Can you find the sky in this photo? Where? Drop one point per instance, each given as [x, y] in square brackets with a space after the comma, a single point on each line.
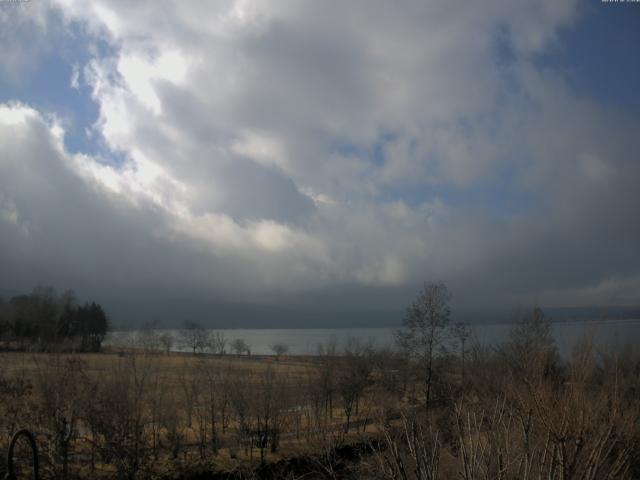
[319, 161]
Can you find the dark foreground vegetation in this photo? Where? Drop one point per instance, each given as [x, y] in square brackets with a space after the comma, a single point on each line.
[517, 411]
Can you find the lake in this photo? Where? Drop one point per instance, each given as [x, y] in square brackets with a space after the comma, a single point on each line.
[608, 334]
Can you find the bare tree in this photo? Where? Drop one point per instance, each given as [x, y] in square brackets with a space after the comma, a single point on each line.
[241, 399]
[314, 398]
[280, 349]
[269, 410]
[166, 340]
[531, 350]
[239, 346]
[327, 355]
[218, 343]
[353, 377]
[148, 337]
[154, 406]
[115, 412]
[215, 397]
[194, 337]
[202, 409]
[424, 327]
[58, 381]
[461, 333]
[409, 451]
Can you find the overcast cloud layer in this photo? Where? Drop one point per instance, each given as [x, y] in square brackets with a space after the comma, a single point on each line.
[253, 151]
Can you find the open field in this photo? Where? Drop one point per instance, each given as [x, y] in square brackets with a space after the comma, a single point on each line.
[220, 412]
[518, 411]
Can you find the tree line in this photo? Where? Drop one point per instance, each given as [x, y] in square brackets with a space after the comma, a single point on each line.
[193, 337]
[44, 319]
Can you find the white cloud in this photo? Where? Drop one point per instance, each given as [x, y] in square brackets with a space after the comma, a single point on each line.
[14, 115]
[300, 145]
[74, 81]
[262, 148]
[140, 73]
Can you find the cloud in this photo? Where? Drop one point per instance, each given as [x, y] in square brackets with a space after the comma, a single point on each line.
[80, 219]
[264, 150]
[23, 36]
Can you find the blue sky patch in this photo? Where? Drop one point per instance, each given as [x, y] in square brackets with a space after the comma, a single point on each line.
[598, 55]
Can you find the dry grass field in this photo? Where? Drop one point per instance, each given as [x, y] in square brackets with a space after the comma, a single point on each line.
[517, 411]
[219, 412]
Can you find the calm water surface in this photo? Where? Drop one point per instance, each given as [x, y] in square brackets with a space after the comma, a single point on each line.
[608, 334]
